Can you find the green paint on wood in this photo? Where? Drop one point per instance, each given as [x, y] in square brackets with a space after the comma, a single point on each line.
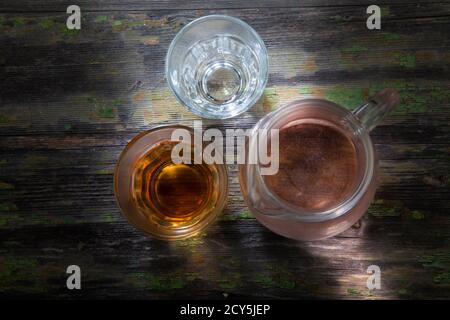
[105, 171]
[391, 36]
[439, 96]
[264, 280]
[440, 260]
[134, 24]
[380, 208]
[385, 11]
[47, 24]
[117, 23]
[118, 102]
[8, 219]
[337, 18]
[270, 281]
[356, 48]
[407, 61]
[67, 126]
[439, 263]
[244, 215]
[92, 99]
[148, 23]
[101, 18]
[268, 92]
[230, 281]
[227, 284]
[384, 212]
[228, 217]
[192, 276]
[20, 274]
[102, 109]
[59, 28]
[353, 291]
[412, 98]
[6, 186]
[154, 282]
[413, 103]
[106, 112]
[18, 22]
[3, 119]
[403, 292]
[270, 99]
[191, 242]
[286, 284]
[275, 277]
[442, 278]
[12, 264]
[417, 215]
[107, 217]
[349, 98]
[70, 32]
[305, 90]
[6, 207]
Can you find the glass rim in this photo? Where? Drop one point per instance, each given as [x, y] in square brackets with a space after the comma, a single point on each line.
[185, 102]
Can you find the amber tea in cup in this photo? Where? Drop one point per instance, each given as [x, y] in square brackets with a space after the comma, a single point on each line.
[166, 199]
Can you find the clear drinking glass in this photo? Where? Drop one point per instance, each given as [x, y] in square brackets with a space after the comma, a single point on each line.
[327, 167]
[217, 66]
[165, 199]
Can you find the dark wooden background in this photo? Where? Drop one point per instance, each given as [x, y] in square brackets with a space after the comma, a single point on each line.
[71, 100]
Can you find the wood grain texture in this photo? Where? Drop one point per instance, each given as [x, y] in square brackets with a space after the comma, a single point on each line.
[70, 101]
[140, 5]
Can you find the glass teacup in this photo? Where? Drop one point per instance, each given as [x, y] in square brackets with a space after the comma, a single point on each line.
[162, 197]
[328, 167]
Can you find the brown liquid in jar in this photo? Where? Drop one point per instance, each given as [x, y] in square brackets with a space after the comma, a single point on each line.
[317, 168]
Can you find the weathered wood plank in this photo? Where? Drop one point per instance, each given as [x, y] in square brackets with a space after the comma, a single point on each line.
[117, 5]
[110, 75]
[75, 179]
[208, 266]
[69, 102]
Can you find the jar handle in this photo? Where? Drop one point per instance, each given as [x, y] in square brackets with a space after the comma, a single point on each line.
[377, 108]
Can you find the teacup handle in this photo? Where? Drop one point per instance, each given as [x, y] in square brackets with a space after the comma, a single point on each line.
[380, 105]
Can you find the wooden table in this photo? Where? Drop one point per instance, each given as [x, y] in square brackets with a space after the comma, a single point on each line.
[71, 100]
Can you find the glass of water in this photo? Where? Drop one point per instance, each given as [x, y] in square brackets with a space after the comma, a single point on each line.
[217, 66]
